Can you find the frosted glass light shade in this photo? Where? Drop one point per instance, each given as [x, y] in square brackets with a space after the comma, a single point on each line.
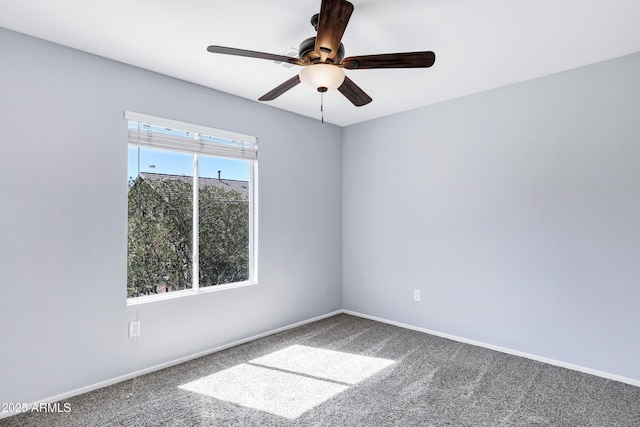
[322, 75]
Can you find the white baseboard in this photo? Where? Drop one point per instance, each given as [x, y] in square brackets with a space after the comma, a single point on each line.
[553, 362]
[101, 384]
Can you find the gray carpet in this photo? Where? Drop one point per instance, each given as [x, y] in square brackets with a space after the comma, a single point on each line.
[348, 371]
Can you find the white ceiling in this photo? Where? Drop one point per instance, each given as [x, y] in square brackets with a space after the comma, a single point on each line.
[479, 44]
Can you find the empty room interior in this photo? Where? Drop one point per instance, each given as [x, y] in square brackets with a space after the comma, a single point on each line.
[459, 223]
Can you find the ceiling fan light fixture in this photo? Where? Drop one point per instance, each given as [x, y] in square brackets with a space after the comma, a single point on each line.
[322, 77]
[323, 61]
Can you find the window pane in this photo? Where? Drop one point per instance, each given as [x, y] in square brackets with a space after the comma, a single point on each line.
[223, 220]
[160, 206]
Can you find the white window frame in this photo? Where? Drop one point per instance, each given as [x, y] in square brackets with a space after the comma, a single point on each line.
[240, 147]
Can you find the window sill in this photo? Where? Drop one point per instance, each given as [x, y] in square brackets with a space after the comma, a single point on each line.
[185, 293]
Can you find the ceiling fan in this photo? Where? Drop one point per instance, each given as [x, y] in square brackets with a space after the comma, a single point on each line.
[323, 58]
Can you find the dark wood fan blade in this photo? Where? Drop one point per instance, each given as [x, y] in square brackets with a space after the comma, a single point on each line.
[333, 20]
[353, 93]
[254, 54]
[273, 94]
[390, 60]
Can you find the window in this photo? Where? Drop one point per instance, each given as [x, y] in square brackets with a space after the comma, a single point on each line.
[191, 207]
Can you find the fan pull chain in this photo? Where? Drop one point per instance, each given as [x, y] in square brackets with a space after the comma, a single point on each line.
[322, 107]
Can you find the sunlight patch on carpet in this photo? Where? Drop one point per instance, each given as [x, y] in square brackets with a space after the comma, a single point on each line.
[289, 382]
[326, 364]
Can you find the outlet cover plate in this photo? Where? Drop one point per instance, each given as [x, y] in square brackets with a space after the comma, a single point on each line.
[134, 328]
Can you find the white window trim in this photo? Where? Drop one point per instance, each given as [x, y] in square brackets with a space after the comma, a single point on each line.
[201, 148]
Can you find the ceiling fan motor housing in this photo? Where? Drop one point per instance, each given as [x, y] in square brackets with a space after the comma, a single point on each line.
[307, 52]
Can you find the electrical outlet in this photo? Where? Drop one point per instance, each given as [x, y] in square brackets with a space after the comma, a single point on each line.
[416, 294]
[134, 328]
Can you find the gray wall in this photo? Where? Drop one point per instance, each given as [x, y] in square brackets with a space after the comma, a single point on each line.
[516, 212]
[63, 167]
